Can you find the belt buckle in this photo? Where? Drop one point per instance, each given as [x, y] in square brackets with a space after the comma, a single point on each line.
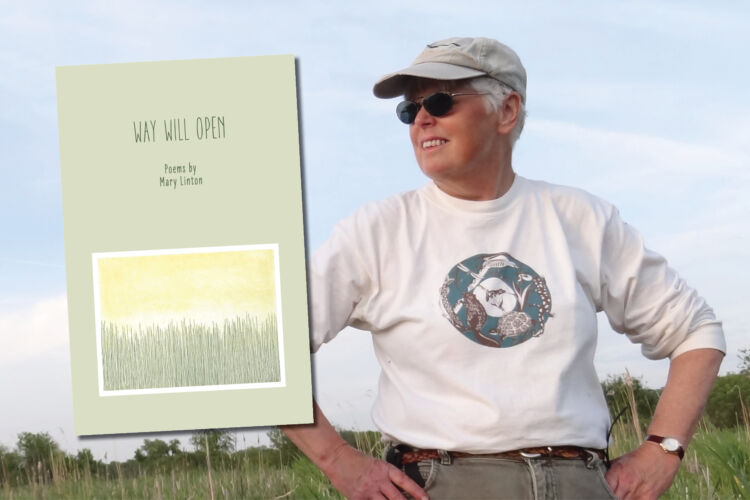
[530, 455]
[526, 454]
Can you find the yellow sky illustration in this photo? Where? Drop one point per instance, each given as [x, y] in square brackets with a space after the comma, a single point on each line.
[198, 286]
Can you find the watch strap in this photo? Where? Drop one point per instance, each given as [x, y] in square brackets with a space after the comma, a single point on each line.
[679, 451]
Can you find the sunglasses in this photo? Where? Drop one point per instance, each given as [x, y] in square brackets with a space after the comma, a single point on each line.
[437, 104]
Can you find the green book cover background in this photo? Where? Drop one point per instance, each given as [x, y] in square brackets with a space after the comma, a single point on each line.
[184, 243]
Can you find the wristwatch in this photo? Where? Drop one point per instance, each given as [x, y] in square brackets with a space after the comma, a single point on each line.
[668, 444]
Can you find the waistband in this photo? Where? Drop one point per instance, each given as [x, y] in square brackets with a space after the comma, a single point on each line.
[410, 455]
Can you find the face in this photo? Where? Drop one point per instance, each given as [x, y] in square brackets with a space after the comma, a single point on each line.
[461, 146]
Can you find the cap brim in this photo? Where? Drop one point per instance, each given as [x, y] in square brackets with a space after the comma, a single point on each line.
[394, 84]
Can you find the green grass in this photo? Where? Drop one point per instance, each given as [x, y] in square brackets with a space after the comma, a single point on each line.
[716, 467]
[237, 477]
[242, 350]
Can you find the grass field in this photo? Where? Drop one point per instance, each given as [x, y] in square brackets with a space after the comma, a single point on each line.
[242, 350]
[716, 467]
[244, 479]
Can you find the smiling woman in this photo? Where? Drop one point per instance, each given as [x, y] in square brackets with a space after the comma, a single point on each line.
[494, 394]
[464, 148]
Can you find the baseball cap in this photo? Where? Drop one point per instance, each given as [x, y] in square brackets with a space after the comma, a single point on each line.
[455, 59]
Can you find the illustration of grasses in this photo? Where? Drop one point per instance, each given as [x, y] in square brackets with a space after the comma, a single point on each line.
[241, 350]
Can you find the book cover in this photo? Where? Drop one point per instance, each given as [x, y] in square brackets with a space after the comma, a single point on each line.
[184, 244]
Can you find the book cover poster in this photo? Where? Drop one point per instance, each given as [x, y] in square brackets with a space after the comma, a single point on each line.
[184, 244]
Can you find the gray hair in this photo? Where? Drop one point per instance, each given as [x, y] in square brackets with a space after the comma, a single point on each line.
[496, 94]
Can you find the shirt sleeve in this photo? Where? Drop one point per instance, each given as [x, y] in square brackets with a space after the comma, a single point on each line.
[339, 287]
[646, 300]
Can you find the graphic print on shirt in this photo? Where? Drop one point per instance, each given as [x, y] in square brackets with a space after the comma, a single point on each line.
[496, 300]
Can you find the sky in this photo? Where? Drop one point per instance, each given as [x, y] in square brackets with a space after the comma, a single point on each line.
[641, 103]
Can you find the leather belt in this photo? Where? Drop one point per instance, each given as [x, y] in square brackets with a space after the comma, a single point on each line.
[568, 452]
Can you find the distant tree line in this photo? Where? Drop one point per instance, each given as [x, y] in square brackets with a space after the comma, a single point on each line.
[38, 459]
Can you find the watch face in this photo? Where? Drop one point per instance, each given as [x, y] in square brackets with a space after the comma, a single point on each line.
[670, 444]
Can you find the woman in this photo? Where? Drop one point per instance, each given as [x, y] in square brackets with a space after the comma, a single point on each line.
[481, 290]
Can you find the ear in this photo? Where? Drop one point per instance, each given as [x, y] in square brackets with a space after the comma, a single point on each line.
[508, 113]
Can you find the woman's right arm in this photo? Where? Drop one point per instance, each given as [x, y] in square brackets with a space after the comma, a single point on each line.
[354, 474]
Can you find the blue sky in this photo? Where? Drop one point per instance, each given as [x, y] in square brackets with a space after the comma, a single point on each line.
[643, 104]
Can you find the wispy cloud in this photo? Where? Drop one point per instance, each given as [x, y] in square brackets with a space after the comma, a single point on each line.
[643, 154]
[705, 184]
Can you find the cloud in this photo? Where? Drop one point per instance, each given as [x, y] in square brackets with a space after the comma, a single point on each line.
[643, 154]
[33, 331]
[662, 185]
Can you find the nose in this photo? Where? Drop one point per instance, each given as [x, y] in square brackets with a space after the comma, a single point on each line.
[423, 118]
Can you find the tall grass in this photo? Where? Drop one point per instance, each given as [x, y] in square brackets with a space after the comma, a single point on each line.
[239, 477]
[716, 467]
[241, 350]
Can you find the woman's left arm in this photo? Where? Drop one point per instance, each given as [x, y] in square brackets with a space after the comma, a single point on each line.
[648, 471]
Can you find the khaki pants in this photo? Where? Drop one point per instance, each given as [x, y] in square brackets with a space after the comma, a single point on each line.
[515, 479]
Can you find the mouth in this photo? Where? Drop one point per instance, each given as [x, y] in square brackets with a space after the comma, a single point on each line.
[433, 143]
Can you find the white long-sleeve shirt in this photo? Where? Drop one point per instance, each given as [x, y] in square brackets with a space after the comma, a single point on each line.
[483, 314]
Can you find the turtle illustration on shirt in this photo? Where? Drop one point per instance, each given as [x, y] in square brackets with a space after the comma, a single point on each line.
[496, 300]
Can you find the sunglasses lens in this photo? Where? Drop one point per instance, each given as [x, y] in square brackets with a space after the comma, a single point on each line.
[438, 104]
[407, 111]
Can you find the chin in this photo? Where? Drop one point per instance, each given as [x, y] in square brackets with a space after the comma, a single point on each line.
[439, 175]
[434, 169]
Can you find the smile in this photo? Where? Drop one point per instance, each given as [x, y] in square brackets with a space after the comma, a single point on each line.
[432, 143]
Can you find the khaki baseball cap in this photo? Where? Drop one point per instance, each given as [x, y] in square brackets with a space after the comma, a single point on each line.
[456, 59]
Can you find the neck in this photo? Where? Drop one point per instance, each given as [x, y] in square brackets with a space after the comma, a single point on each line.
[492, 185]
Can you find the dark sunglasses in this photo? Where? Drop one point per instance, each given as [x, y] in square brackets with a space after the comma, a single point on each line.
[437, 104]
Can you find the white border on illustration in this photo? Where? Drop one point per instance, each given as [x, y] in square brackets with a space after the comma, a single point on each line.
[176, 251]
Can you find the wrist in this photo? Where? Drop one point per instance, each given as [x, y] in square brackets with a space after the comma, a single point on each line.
[668, 444]
[329, 460]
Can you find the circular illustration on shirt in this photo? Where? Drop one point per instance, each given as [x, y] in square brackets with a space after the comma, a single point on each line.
[496, 300]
